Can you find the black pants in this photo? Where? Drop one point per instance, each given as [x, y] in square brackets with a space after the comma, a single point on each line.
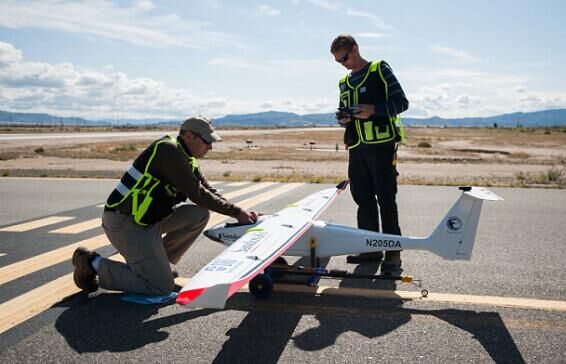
[373, 183]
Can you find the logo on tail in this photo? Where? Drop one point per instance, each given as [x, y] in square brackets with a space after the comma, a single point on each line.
[454, 223]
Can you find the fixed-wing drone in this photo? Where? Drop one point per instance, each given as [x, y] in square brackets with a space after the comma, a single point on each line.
[293, 231]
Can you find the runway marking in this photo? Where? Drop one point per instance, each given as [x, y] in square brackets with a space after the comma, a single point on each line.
[81, 227]
[27, 226]
[252, 188]
[236, 184]
[2, 254]
[28, 305]
[42, 261]
[494, 301]
[33, 302]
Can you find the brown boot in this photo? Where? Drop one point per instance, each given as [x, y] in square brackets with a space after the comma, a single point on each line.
[84, 275]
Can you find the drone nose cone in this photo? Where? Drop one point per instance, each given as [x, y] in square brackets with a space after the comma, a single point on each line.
[212, 234]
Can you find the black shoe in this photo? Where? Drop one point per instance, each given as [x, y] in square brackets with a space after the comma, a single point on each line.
[84, 275]
[364, 258]
[392, 263]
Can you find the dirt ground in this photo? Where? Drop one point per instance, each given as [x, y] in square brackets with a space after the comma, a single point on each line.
[446, 156]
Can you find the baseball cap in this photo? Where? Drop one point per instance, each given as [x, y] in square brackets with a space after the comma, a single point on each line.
[201, 126]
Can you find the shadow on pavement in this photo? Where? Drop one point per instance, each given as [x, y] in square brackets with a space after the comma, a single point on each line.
[486, 327]
[269, 326]
[88, 327]
[262, 334]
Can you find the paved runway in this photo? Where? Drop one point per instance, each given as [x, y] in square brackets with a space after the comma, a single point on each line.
[505, 305]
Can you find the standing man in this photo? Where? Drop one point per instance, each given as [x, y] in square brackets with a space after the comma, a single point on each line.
[372, 130]
[147, 220]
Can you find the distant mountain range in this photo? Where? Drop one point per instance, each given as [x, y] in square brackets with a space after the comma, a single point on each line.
[546, 118]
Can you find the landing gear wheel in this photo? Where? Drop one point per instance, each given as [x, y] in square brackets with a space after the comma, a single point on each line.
[275, 272]
[261, 286]
[280, 260]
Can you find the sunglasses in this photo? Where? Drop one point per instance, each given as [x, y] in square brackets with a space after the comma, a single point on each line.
[201, 138]
[346, 56]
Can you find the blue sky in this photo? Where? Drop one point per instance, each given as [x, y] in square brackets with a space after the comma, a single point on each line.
[149, 59]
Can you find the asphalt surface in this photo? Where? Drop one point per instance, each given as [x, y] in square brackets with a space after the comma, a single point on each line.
[519, 252]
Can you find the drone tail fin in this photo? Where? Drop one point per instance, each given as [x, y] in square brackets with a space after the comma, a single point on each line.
[454, 237]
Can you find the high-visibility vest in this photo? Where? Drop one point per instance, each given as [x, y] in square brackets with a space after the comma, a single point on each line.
[151, 198]
[372, 89]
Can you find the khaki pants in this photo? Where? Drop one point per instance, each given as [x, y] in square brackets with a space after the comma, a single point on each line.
[148, 249]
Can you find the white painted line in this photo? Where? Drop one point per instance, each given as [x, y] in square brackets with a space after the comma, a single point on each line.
[236, 184]
[81, 227]
[2, 254]
[36, 224]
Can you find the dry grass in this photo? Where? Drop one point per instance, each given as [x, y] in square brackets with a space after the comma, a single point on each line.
[448, 146]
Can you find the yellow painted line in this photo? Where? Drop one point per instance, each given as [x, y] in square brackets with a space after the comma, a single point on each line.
[28, 305]
[494, 301]
[551, 305]
[42, 261]
[236, 184]
[80, 227]
[33, 302]
[36, 224]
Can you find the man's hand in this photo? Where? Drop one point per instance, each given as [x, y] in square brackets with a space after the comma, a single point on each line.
[364, 111]
[343, 120]
[245, 217]
[345, 114]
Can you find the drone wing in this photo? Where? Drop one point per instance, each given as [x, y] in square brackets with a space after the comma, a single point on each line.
[254, 251]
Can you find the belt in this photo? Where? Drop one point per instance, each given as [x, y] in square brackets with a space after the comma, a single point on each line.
[116, 210]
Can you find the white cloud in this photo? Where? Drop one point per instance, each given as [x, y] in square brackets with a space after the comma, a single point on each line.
[268, 10]
[456, 54]
[9, 54]
[65, 89]
[335, 7]
[280, 66]
[143, 6]
[373, 35]
[326, 5]
[375, 20]
[136, 24]
[268, 105]
[520, 89]
[468, 99]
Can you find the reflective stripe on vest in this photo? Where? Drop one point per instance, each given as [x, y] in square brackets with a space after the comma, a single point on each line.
[135, 174]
